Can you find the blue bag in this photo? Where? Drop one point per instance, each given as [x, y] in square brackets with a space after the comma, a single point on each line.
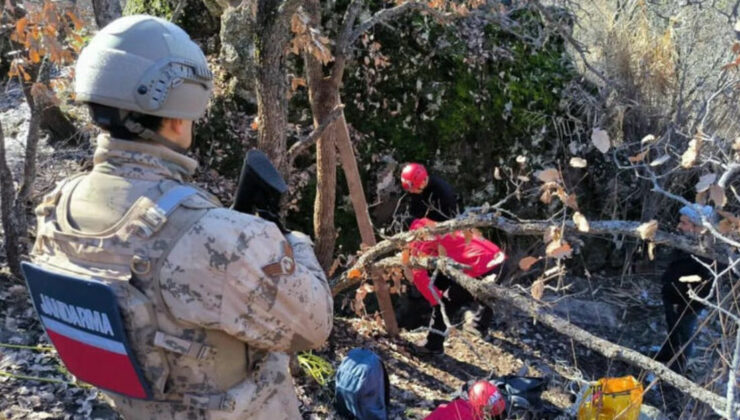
[362, 386]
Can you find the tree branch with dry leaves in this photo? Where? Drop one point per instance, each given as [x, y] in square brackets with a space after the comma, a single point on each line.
[386, 15]
[483, 218]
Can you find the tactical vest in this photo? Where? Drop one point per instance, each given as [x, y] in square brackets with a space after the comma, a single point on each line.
[178, 362]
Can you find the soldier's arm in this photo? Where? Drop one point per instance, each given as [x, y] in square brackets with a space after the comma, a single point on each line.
[247, 279]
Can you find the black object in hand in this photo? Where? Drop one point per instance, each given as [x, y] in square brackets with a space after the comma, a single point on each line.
[260, 188]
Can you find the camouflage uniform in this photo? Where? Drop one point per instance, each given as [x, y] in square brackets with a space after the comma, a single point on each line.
[228, 295]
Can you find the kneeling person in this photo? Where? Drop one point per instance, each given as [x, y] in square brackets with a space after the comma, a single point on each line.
[481, 255]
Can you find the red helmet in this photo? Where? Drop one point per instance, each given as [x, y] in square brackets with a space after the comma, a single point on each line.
[486, 399]
[414, 177]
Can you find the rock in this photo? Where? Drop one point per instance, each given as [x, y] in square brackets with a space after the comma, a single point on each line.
[648, 412]
[579, 311]
[238, 49]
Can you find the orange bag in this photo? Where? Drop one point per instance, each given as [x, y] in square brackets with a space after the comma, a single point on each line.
[612, 399]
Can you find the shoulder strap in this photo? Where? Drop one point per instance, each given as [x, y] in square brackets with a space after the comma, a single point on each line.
[156, 215]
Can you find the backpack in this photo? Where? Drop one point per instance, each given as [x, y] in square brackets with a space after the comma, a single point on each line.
[362, 386]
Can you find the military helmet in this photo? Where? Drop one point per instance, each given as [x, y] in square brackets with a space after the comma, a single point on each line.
[147, 65]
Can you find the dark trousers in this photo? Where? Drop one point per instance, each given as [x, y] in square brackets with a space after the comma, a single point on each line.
[454, 297]
[681, 322]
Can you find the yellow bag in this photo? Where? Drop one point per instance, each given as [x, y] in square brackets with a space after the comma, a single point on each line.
[612, 399]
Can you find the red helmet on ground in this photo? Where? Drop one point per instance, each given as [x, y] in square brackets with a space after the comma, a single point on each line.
[486, 399]
[414, 177]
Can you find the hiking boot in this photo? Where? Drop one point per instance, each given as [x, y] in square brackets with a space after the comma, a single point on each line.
[423, 347]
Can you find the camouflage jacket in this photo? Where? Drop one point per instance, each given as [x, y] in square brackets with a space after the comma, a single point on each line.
[224, 279]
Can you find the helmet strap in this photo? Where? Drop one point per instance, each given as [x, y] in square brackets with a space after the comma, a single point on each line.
[151, 135]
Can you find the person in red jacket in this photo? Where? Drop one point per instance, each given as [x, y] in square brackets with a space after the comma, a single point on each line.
[481, 255]
[429, 196]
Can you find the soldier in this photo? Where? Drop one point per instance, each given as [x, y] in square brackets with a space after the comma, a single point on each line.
[211, 299]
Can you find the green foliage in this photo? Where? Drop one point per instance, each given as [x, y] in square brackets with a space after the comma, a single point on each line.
[222, 136]
[159, 8]
[195, 17]
[444, 94]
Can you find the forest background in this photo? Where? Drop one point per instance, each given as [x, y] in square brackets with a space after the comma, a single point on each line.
[573, 130]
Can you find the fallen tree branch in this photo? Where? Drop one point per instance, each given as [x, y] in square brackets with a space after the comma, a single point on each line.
[491, 294]
[470, 219]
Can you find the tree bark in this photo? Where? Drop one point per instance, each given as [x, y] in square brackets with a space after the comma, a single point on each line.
[326, 173]
[323, 96]
[7, 209]
[271, 37]
[106, 11]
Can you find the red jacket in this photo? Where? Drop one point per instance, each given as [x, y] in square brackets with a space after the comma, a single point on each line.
[478, 253]
[457, 409]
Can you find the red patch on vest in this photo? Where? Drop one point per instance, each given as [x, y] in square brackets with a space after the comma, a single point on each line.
[106, 369]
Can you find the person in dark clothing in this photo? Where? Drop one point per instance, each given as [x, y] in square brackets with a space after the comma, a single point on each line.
[681, 312]
[430, 196]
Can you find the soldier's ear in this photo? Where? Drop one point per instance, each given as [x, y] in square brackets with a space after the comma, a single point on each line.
[174, 125]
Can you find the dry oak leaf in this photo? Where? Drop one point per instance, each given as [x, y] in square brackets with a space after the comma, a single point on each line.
[717, 194]
[552, 233]
[559, 249]
[600, 139]
[548, 175]
[701, 198]
[581, 222]
[690, 279]
[546, 196]
[705, 181]
[661, 160]
[638, 157]
[647, 230]
[577, 162]
[527, 262]
[405, 257]
[647, 139]
[538, 289]
[689, 156]
[651, 251]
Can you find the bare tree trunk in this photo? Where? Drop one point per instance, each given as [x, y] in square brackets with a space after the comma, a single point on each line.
[271, 37]
[7, 209]
[326, 171]
[14, 205]
[106, 11]
[323, 96]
